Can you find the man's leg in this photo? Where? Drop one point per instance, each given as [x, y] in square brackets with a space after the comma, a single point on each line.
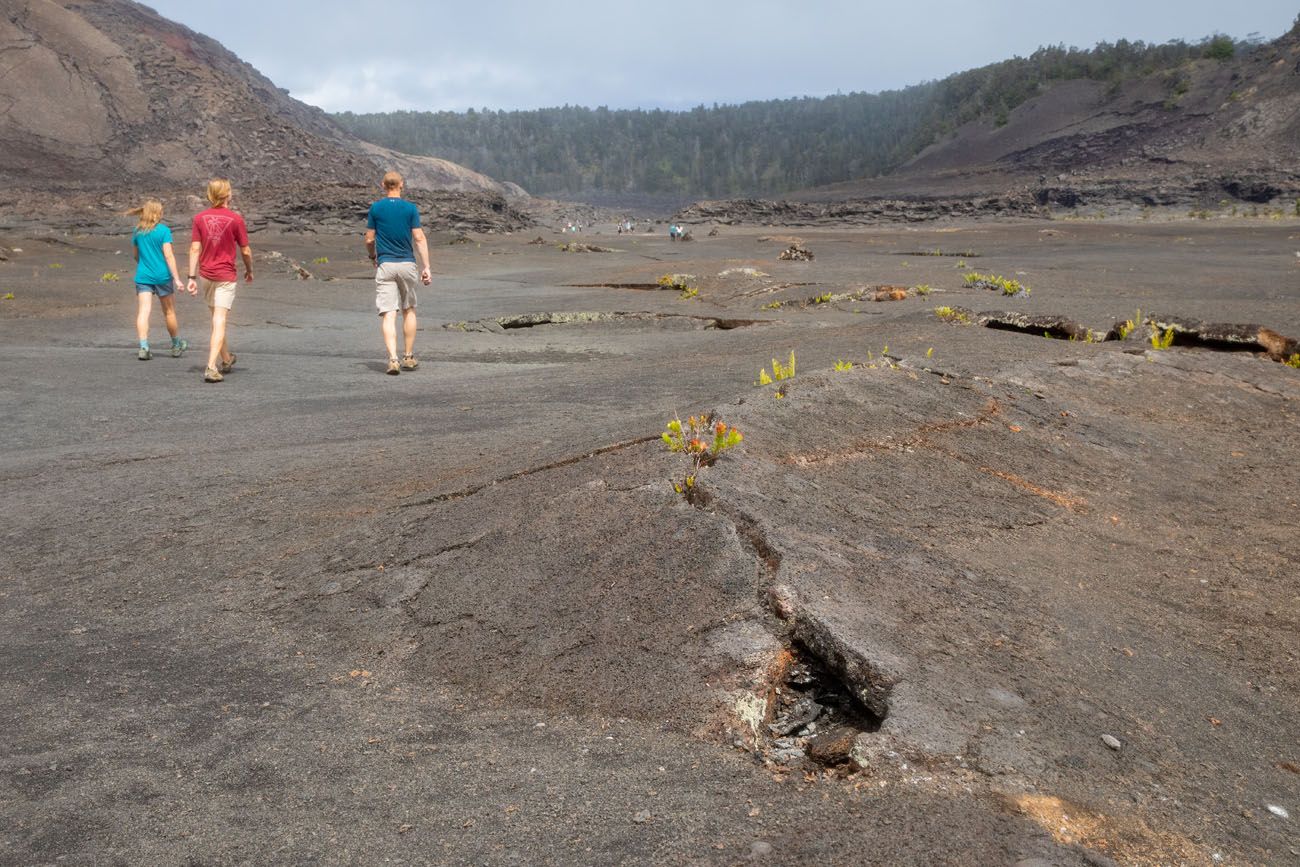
[217, 346]
[388, 326]
[408, 329]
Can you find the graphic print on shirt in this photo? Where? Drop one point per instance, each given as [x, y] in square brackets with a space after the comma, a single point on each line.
[216, 226]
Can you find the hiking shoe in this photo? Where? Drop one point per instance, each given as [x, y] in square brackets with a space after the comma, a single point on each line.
[144, 354]
[178, 349]
[410, 362]
[227, 365]
[211, 374]
[393, 367]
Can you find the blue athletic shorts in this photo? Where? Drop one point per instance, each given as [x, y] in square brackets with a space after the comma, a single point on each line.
[162, 290]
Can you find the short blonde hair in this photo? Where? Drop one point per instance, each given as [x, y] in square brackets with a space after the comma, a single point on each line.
[218, 191]
[392, 180]
[150, 214]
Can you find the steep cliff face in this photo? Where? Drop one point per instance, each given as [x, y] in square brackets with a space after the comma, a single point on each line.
[106, 92]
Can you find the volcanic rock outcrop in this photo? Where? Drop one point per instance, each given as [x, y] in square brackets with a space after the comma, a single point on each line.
[110, 94]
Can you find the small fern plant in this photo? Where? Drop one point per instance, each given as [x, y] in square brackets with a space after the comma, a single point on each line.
[1162, 340]
[779, 371]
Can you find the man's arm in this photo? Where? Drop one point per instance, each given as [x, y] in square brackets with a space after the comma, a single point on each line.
[247, 252]
[422, 253]
[370, 244]
[192, 268]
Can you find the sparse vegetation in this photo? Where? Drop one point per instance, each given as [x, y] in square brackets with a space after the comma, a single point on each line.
[109, 277]
[321, 260]
[824, 298]
[923, 289]
[681, 283]
[1005, 285]
[1126, 327]
[949, 314]
[1293, 361]
[1161, 340]
[779, 372]
[55, 265]
[883, 363]
[842, 365]
[701, 440]
[773, 305]
[9, 296]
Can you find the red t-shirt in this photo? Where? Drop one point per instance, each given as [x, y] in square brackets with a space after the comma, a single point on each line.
[222, 232]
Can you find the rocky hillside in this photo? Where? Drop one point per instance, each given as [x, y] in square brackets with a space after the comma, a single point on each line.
[101, 94]
[1207, 131]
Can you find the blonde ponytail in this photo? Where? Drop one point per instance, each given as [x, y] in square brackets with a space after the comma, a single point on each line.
[150, 214]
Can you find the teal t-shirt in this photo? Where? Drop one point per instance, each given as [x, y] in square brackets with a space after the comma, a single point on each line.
[152, 269]
[393, 219]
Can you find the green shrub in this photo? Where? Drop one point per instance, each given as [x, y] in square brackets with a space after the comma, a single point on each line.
[701, 440]
[1221, 48]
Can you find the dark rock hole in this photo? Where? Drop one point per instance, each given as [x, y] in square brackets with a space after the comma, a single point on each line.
[814, 715]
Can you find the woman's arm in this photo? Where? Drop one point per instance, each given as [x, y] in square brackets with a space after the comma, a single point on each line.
[171, 264]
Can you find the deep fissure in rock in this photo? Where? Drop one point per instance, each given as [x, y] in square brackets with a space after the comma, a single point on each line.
[968, 254]
[812, 711]
[503, 324]
[1214, 336]
[640, 287]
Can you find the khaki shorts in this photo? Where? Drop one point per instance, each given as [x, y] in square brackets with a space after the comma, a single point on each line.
[395, 284]
[218, 294]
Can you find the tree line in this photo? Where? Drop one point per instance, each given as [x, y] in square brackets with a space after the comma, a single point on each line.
[757, 148]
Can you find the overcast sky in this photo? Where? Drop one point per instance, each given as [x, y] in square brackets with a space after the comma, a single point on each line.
[521, 54]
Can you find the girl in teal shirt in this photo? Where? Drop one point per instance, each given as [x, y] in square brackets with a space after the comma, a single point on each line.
[155, 274]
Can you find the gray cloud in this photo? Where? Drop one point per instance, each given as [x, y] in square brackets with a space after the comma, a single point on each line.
[342, 55]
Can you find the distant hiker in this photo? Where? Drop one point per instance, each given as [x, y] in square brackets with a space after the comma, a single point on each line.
[217, 233]
[393, 239]
[674, 232]
[155, 274]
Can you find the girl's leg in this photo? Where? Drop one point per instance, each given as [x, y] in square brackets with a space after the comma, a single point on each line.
[143, 307]
[169, 315]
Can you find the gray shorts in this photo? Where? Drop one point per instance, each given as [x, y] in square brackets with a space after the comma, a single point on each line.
[395, 284]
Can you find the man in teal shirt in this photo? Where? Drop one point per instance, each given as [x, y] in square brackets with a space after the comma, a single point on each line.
[394, 238]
